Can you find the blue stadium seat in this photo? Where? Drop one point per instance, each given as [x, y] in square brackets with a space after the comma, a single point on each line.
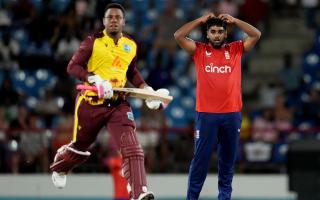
[185, 84]
[186, 5]
[188, 104]
[59, 6]
[160, 5]
[144, 72]
[31, 102]
[43, 77]
[136, 105]
[32, 83]
[149, 17]
[174, 91]
[192, 91]
[18, 78]
[279, 152]
[37, 4]
[22, 36]
[176, 114]
[311, 62]
[4, 3]
[317, 42]
[140, 6]
[239, 34]
[1, 76]
[181, 60]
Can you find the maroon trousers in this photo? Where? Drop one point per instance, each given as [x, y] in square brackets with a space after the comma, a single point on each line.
[117, 117]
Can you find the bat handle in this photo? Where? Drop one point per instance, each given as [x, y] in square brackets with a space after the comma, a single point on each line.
[86, 87]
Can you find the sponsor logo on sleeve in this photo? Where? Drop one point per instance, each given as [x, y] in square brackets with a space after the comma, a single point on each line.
[130, 116]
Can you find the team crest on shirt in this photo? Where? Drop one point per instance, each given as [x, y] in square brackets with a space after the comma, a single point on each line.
[130, 116]
[126, 48]
[208, 54]
[227, 55]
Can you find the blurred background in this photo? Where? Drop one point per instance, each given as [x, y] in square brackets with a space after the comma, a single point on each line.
[281, 84]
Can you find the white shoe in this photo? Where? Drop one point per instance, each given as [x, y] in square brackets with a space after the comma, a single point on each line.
[146, 196]
[59, 179]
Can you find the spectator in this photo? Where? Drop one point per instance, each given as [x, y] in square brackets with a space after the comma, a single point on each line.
[9, 96]
[152, 125]
[33, 147]
[310, 109]
[310, 9]
[283, 115]
[3, 140]
[17, 126]
[67, 45]
[164, 46]
[268, 93]
[9, 52]
[48, 107]
[229, 6]
[264, 127]
[290, 76]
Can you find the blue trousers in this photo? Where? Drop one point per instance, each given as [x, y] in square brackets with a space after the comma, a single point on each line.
[214, 131]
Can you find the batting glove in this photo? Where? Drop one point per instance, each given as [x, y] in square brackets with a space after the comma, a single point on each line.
[104, 87]
[94, 79]
[153, 103]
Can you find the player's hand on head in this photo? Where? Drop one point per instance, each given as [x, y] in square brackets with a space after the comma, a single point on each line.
[155, 104]
[227, 18]
[104, 87]
[206, 16]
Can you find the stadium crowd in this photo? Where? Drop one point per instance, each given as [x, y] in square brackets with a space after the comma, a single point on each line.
[38, 38]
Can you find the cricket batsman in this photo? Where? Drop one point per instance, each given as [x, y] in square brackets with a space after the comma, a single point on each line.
[106, 60]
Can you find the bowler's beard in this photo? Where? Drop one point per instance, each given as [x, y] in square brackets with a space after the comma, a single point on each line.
[113, 33]
[217, 45]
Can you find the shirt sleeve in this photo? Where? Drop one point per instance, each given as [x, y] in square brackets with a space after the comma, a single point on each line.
[133, 74]
[199, 47]
[238, 46]
[78, 64]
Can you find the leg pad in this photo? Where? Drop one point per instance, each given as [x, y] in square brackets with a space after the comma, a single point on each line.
[67, 158]
[133, 164]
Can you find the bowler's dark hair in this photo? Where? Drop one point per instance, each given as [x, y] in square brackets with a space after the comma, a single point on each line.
[216, 22]
[114, 5]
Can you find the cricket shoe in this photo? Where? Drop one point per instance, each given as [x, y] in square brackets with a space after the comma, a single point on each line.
[146, 196]
[59, 179]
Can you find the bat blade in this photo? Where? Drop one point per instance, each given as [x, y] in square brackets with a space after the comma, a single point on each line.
[134, 92]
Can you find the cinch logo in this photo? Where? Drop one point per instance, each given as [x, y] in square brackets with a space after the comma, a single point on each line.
[218, 69]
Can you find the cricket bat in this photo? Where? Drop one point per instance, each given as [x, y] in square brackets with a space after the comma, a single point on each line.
[134, 92]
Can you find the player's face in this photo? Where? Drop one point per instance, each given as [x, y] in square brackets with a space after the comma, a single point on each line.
[217, 36]
[113, 21]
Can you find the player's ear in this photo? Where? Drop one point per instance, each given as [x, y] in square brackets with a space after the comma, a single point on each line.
[104, 21]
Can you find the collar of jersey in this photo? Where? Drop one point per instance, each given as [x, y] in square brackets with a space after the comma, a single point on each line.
[226, 45]
[109, 39]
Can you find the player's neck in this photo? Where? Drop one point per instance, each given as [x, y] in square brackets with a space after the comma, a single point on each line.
[217, 48]
[115, 37]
